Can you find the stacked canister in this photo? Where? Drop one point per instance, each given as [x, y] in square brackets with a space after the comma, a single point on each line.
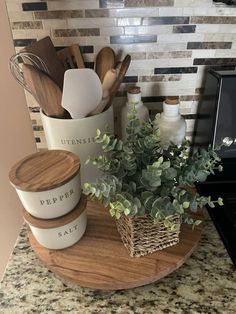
[49, 187]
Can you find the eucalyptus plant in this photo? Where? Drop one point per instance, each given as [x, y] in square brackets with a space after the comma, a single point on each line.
[140, 177]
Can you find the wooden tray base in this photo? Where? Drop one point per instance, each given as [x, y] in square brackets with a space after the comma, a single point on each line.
[100, 260]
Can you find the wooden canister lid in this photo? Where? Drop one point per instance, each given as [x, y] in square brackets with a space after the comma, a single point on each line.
[44, 171]
[56, 222]
[172, 100]
[133, 90]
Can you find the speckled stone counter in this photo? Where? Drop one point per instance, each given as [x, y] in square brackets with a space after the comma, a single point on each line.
[206, 283]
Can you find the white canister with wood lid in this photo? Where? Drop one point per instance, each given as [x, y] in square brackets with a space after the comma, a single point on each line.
[62, 232]
[47, 183]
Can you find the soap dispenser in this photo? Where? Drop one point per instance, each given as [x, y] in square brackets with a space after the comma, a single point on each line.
[133, 102]
[171, 124]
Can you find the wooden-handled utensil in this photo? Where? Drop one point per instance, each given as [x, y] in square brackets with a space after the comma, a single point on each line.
[123, 69]
[45, 91]
[71, 57]
[108, 81]
[108, 97]
[44, 49]
[105, 61]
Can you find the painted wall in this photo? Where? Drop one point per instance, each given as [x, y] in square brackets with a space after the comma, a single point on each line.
[172, 42]
[16, 140]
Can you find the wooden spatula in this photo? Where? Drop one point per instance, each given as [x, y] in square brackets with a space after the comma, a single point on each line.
[105, 61]
[71, 57]
[45, 91]
[45, 50]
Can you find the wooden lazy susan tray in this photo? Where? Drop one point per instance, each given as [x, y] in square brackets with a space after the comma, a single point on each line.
[100, 260]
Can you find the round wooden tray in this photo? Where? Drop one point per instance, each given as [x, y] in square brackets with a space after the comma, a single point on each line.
[100, 260]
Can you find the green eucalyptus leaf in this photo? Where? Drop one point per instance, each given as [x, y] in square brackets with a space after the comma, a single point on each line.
[220, 201]
[186, 204]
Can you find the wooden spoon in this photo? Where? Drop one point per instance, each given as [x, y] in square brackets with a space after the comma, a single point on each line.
[108, 97]
[105, 61]
[123, 69]
[108, 81]
[45, 91]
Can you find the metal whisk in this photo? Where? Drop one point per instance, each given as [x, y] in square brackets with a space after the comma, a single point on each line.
[22, 58]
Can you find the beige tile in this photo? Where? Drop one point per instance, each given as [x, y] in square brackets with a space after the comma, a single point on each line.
[203, 53]
[67, 41]
[73, 5]
[161, 63]
[30, 33]
[214, 28]
[20, 16]
[142, 30]
[111, 31]
[189, 107]
[200, 11]
[134, 12]
[91, 22]
[13, 6]
[231, 11]
[207, 28]
[180, 37]
[151, 47]
[54, 24]
[137, 56]
[220, 37]
[98, 40]
[169, 11]
[225, 53]
[193, 3]
[158, 89]
[133, 21]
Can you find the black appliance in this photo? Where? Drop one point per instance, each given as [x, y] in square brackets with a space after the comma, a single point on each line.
[228, 2]
[216, 123]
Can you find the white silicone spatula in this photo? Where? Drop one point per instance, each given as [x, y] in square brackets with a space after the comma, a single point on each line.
[82, 92]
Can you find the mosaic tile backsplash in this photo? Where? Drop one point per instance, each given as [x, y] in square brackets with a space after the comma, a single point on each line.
[172, 43]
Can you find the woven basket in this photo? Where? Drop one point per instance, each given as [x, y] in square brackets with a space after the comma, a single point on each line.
[141, 236]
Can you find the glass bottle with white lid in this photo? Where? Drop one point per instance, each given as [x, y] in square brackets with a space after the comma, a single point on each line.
[171, 124]
[133, 101]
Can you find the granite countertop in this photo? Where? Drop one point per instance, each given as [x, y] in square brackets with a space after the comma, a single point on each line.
[206, 283]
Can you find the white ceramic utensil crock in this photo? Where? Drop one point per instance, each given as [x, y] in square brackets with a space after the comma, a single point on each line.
[78, 136]
[61, 232]
[47, 183]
